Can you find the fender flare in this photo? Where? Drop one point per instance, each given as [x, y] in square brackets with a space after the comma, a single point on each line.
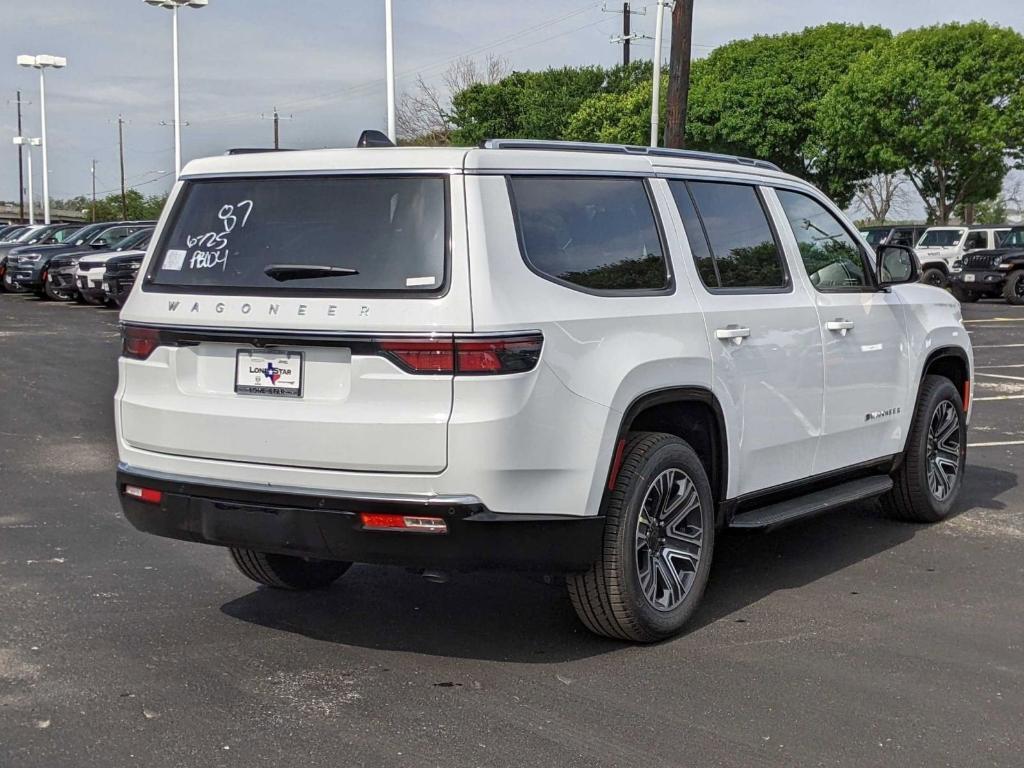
[686, 394]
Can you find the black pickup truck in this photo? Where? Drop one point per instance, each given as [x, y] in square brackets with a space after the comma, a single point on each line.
[994, 272]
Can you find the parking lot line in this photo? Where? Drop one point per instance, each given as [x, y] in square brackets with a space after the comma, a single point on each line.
[996, 320]
[993, 445]
[996, 346]
[1002, 376]
[999, 397]
[997, 367]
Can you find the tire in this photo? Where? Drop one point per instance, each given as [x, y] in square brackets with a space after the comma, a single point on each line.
[923, 493]
[618, 596]
[53, 294]
[934, 276]
[90, 300]
[963, 296]
[1013, 290]
[286, 571]
[9, 286]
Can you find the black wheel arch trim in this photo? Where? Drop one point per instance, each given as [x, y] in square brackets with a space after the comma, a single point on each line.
[719, 440]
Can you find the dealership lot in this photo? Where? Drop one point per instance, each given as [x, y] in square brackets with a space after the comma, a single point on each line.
[844, 640]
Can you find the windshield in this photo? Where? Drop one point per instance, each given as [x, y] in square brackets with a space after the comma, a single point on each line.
[30, 235]
[83, 235]
[941, 238]
[134, 241]
[307, 234]
[14, 234]
[59, 235]
[1014, 239]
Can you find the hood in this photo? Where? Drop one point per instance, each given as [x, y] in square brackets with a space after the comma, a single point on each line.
[125, 257]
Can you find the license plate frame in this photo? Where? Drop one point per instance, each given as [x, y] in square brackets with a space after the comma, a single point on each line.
[251, 382]
[969, 278]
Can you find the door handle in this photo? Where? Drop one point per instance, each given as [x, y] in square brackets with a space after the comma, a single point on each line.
[840, 325]
[732, 333]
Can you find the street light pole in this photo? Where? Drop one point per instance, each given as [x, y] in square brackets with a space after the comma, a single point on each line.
[659, 26]
[41, 62]
[177, 94]
[173, 6]
[389, 30]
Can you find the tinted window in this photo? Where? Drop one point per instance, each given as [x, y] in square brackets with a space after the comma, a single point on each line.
[941, 238]
[902, 237]
[376, 233]
[595, 233]
[875, 237]
[976, 240]
[830, 255]
[727, 223]
[1014, 239]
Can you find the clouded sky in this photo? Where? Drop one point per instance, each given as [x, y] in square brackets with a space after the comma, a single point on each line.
[323, 62]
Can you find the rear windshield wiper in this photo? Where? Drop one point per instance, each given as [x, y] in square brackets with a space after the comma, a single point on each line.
[284, 272]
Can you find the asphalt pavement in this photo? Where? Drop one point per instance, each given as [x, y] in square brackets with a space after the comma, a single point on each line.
[847, 640]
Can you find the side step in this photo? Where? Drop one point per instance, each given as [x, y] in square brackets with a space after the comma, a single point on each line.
[812, 504]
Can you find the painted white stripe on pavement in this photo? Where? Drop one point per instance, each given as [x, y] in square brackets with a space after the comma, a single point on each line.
[998, 397]
[994, 445]
[997, 346]
[1002, 376]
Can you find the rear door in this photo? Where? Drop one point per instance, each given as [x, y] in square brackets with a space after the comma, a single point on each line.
[296, 315]
[863, 331]
[763, 330]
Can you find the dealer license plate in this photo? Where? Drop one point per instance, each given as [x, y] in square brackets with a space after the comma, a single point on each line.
[969, 278]
[271, 373]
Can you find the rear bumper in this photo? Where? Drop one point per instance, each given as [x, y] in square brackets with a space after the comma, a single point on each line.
[327, 526]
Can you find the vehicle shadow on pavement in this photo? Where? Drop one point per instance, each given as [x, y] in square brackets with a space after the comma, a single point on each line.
[514, 617]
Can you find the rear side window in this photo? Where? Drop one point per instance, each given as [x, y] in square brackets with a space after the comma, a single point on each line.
[732, 242]
[307, 235]
[597, 234]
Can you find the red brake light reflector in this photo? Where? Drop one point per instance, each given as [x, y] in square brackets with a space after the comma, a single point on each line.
[148, 495]
[138, 343]
[384, 522]
[427, 356]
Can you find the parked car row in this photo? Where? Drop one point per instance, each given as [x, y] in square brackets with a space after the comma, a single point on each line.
[940, 250]
[70, 262]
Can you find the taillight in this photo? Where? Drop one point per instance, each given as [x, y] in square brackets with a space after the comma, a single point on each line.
[466, 355]
[138, 343]
[421, 356]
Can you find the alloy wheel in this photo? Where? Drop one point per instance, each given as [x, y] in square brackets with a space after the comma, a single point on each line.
[943, 453]
[669, 537]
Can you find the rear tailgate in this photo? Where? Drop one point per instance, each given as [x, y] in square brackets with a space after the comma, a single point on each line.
[271, 300]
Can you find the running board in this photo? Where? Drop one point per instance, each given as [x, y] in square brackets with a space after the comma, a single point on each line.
[812, 504]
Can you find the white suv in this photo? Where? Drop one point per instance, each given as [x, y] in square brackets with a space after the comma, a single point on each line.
[940, 249]
[586, 359]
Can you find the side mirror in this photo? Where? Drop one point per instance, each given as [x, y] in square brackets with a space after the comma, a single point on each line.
[897, 264]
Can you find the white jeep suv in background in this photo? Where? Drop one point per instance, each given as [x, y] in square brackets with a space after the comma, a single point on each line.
[588, 359]
[940, 249]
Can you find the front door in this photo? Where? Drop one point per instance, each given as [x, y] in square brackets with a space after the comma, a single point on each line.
[763, 330]
[863, 331]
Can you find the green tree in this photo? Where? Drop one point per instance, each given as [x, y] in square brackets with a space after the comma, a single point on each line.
[617, 117]
[760, 97]
[942, 104]
[138, 206]
[533, 105]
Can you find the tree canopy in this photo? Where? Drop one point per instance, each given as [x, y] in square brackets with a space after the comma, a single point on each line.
[942, 104]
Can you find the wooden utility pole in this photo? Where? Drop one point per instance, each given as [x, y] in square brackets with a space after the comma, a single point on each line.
[120, 142]
[627, 35]
[679, 73]
[277, 117]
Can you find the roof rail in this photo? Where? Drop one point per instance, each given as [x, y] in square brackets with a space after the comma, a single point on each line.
[253, 150]
[624, 149]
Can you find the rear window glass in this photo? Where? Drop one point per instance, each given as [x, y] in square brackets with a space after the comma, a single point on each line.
[307, 234]
[595, 233]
